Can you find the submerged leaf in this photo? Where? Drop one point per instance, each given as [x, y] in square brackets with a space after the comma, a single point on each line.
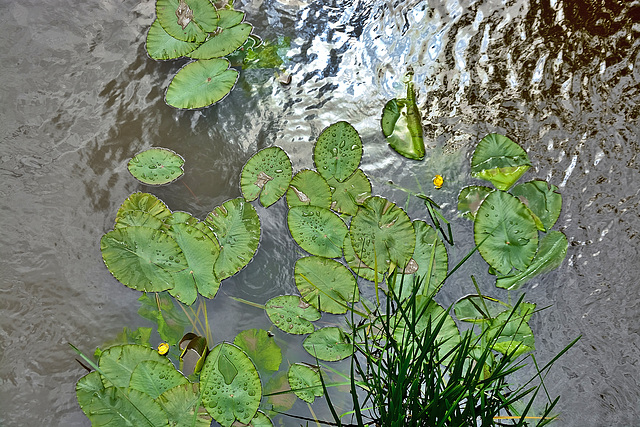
[261, 348]
[543, 200]
[470, 199]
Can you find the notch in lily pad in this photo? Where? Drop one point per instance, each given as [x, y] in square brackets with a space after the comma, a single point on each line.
[499, 160]
[156, 166]
[267, 175]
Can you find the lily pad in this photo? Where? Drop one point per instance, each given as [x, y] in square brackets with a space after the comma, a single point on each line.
[330, 344]
[261, 349]
[156, 166]
[292, 314]
[223, 42]
[510, 232]
[499, 160]
[516, 336]
[325, 284]
[181, 403]
[402, 126]
[187, 20]
[356, 264]
[142, 209]
[154, 378]
[229, 18]
[551, 253]
[117, 363]
[142, 258]
[470, 199]
[317, 230]
[230, 385]
[338, 151]
[237, 227]
[477, 308]
[266, 174]
[201, 83]
[347, 196]
[305, 382]
[162, 46]
[259, 420]
[542, 199]
[308, 188]
[382, 235]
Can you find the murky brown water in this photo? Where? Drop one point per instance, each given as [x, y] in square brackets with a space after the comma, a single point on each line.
[80, 98]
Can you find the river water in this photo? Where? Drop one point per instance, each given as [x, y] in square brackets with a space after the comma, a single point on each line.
[80, 97]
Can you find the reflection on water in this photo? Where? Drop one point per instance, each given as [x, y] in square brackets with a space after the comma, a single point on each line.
[562, 78]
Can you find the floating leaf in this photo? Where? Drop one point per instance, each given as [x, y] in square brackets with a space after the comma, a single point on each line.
[161, 46]
[142, 209]
[338, 151]
[477, 308]
[187, 20]
[325, 284]
[317, 230]
[402, 126]
[237, 227]
[382, 234]
[292, 314]
[223, 42]
[470, 199]
[516, 336]
[142, 258]
[266, 174]
[356, 264]
[181, 403]
[154, 378]
[117, 363]
[543, 200]
[510, 232]
[230, 385]
[229, 18]
[308, 188]
[551, 253]
[499, 160]
[201, 83]
[261, 349]
[330, 344]
[348, 195]
[259, 420]
[305, 382]
[156, 166]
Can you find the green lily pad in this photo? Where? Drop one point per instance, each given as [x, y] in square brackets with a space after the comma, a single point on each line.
[330, 344]
[292, 314]
[154, 378]
[142, 258]
[347, 196]
[325, 284]
[187, 20]
[402, 126]
[181, 403]
[551, 253]
[156, 166]
[382, 235]
[142, 209]
[477, 308]
[161, 46]
[223, 42]
[261, 349]
[338, 151]
[201, 83]
[542, 199]
[305, 382]
[470, 199]
[317, 230]
[117, 363]
[356, 264]
[266, 174]
[260, 420]
[499, 160]
[229, 18]
[308, 188]
[237, 227]
[510, 232]
[516, 336]
[230, 385]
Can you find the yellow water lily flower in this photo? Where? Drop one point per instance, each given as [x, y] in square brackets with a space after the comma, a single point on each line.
[163, 348]
[438, 180]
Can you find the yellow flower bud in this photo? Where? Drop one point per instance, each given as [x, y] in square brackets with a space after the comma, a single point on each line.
[438, 180]
[163, 348]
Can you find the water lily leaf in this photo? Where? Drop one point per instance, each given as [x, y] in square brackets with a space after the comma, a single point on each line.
[180, 404]
[154, 378]
[325, 284]
[551, 253]
[305, 382]
[230, 385]
[261, 349]
[161, 46]
[229, 18]
[338, 151]
[266, 174]
[187, 20]
[194, 351]
[156, 166]
[142, 258]
[308, 188]
[347, 196]
[477, 308]
[223, 42]
[544, 201]
[499, 160]
[317, 230]
[402, 126]
[201, 83]
[281, 402]
[259, 420]
[117, 363]
[356, 264]
[142, 209]
[382, 234]
[470, 199]
[330, 344]
[516, 334]
[292, 314]
[237, 227]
